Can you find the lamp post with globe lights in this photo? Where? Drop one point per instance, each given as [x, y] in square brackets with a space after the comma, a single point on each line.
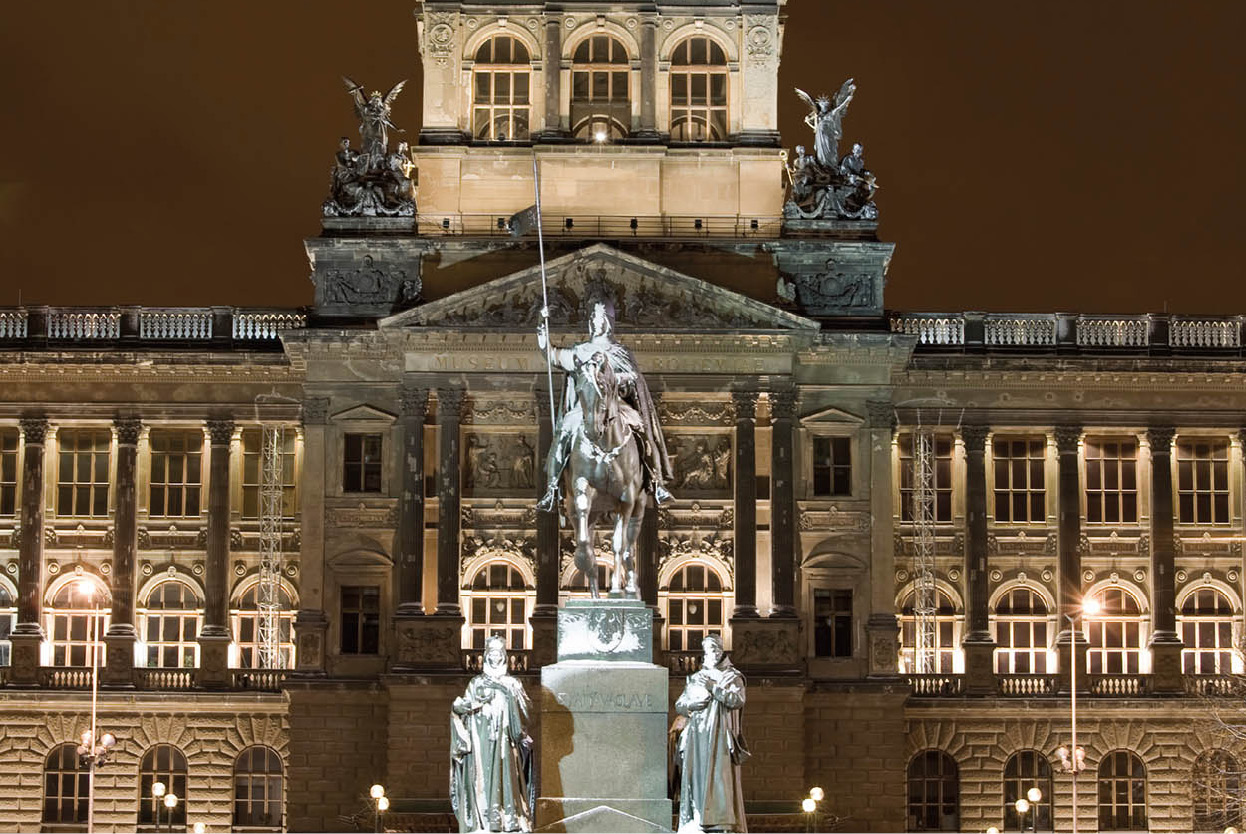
[93, 749]
[381, 801]
[170, 802]
[810, 805]
[1029, 804]
[1074, 762]
[157, 793]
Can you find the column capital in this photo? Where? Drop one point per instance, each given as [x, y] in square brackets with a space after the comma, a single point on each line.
[413, 401]
[128, 430]
[34, 429]
[1067, 438]
[783, 404]
[450, 402]
[881, 414]
[1160, 439]
[315, 410]
[974, 436]
[220, 431]
[744, 399]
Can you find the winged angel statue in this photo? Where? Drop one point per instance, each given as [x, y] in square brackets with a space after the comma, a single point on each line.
[372, 182]
[826, 186]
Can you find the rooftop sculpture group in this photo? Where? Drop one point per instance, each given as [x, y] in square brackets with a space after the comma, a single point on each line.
[826, 186]
[372, 181]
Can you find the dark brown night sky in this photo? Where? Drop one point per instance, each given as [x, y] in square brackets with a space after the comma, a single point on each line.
[1080, 155]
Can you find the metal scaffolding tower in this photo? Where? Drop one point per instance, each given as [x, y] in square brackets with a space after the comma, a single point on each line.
[272, 483]
[925, 653]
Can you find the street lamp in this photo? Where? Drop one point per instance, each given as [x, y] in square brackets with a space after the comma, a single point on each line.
[1075, 762]
[1029, 803]
[157, 793]
[199, 828]
[170, 802]
[91, 751]
[382, 804]
[810, 806]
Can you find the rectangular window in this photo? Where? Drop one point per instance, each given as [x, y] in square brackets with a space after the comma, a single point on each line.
[832, 630]
[1203, 481]
[941, 463]
[361, 619]
[82, 486]
[8, 472]
[1111, 480]
[361, 468]
[176, 458]
[253, 477]
[832, 466]
[1020, 481]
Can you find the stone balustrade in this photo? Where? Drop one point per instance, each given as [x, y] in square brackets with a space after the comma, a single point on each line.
[33, 327]
[516, 661]
[936, 685]
[1027, 686]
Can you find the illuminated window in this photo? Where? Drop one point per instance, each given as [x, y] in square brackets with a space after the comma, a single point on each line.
[934, 792]
[361, 619]
[1020, 485]
[8, 472]
[246, 617]
[253, 478]
[171, 626]
[600, 100]
[1206, 627]
[258, 787]
[64, 787]
[695, 606]
[497, 603]
[166, 764]
[82, 488]
[942, 462]
[1203, 481]
[1122, 792]
[1023, 771]
[698, 91]
[1116, 634]
[1021, 628]
[500, 85]
[1217, 791]
[175, 472]
[832, 466]
[1111, 480]
[942, 650]
[577, 587]
[361, 467]
[832, 622]
[69, 622]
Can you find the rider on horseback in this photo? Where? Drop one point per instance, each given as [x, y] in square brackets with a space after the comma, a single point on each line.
[636, 408]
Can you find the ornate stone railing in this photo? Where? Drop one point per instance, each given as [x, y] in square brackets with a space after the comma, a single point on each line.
[81, 324]
[1214, 686]
[1205, 333]
[192, 326]
[1025, 686]
[593, 225]
[1113, 331]
[937, 685]
[172, 679]
[65, 677]
[12, 324]
[1020, 330]
[931, 329]
[259, 680]
[1118, 686]
[683, 663]
[474, 660]
[266, 325]
[175, 324]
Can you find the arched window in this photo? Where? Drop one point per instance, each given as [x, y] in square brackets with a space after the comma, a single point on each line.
[497, 603]
[695, 607]
[1122, 792]
[1206, 627]
[246, 617]
[943, 656]
[162, 763]
[501, 79]
[171, 619]
[1025, 770]
[64, 787]
[1217, 791]
[934, 792]
[600, 90]
[8, 616]
[698, 91]
[1115, 634]
[69, 619]
[1021, 633]
[258, 787]
[577, 586]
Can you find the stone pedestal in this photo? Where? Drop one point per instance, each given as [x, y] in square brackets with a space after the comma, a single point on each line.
[24, 670]
[118, 671]
[979, 667]
[604, 714]
[1166, 664]
[213, 672]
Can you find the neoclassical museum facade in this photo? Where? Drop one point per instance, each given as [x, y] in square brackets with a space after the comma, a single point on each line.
[291, 530]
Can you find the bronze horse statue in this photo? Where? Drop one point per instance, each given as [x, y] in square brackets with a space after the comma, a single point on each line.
[604, 476]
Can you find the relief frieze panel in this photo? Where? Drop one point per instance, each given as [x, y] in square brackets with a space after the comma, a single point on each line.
[499, 463]
[703, 464]
[364, 514]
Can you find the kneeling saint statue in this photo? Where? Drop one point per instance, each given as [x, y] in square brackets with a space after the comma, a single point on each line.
[711, 745]
[490, 751]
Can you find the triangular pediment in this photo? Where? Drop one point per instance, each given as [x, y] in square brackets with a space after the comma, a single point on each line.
[832, 417]
[645, 296]
[364, 413]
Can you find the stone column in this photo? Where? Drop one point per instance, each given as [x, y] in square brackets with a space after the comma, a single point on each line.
[121, 636]
[1165, 643]
[414, 406]
[544, 615]
[978, 645]
[553, 78]
[1071, 642]
[882, 628]
[745, 401]
[782, 504]
[214, 636]
[28, 634]
[648, 79]
[311, 624]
